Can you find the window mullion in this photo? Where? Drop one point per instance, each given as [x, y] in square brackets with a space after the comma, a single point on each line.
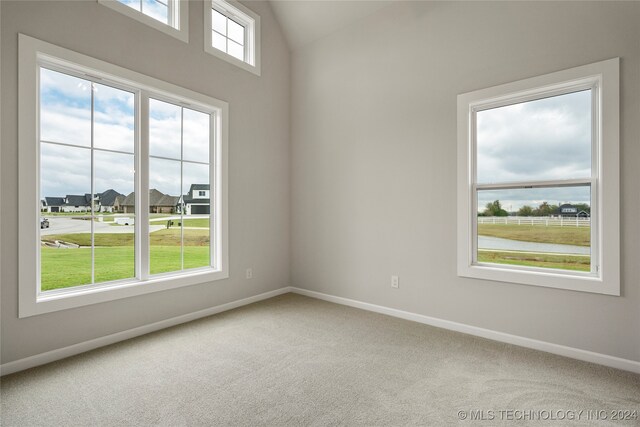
[181, 187]
[213, 192]
[92, 190]
[535, 184]
[142, 186]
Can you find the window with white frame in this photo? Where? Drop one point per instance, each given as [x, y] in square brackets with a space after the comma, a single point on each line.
[538, 185]
[108, 159]
[169, 16]
[232, 33]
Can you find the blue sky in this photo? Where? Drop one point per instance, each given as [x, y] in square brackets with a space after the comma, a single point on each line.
[66, 118]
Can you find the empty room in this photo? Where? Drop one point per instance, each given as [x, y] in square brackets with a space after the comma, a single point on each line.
[310, 213]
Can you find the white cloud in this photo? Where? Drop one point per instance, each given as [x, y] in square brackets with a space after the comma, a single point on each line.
[545, 139]
[196, 136]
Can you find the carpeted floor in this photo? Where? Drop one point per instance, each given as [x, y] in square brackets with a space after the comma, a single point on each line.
[293, 360]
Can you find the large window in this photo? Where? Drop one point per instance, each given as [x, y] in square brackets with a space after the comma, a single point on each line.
[232, 33]
[122, 182]
[538, 181]
[168, 16]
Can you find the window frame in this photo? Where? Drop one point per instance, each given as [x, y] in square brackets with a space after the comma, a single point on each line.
[603, 79]
[245, 17]
[32, 54]
[178, 16]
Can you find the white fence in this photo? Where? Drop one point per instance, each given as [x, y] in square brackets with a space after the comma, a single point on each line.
[536, 220]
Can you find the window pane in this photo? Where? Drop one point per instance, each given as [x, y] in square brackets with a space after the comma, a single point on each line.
[165, 127]
[114, 118]
[165, 226]
[235, 50]
[156, 10]
[113, 229]
[195, 135]
[236, 32]
[537, 227]
[218, 41]
[218, 22]
[65, 225]
[65, 108]
[196, 215]
[545, 139]
[135, 4]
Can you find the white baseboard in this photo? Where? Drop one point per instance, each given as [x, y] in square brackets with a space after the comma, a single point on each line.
[72, 350]
[574, 353]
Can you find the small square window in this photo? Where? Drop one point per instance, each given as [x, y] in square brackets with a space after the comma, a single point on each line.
[234, 35]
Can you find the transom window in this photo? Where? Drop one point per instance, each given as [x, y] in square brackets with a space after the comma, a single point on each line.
[232, 33]
[110, 183]
[228, 35]
[168, 16]
[163, 11]
[538, 183]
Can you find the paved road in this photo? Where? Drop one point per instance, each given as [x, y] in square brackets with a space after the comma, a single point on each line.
[496, 243]
[62, 225]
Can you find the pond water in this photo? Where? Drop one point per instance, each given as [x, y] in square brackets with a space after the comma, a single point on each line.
[496, 243]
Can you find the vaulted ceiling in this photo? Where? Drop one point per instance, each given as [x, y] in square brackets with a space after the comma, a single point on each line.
[304, 21]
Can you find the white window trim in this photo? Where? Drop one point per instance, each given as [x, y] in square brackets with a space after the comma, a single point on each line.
[179, 15]
[246, 17]
[604, 76]
[31, 301]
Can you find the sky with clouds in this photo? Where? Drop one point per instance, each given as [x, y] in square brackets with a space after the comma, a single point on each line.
[541, 140]
[65, 117]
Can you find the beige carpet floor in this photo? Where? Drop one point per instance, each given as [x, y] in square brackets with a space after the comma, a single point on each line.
[293, 361]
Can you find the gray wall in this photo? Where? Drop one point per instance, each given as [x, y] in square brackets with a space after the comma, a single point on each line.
[374, 160]
[259, 161]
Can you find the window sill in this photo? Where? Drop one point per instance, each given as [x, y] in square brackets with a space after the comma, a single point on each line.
[232, 60]
[561, 279]
[56, 300]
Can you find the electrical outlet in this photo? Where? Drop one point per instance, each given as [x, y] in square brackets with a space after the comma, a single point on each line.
[395, 282]
[249, 273]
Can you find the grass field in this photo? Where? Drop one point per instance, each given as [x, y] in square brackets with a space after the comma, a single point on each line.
[576, 236]
[114, 256]
[564, 262]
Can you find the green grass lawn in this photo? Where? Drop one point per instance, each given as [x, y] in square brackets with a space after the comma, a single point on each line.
[578, 236]
[563, 262]
[114, 256]
[189, 222]
[196, 222]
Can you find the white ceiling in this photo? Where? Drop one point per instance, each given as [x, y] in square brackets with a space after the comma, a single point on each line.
[304, 21]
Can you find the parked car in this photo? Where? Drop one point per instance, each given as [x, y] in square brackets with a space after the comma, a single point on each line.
[44, 223]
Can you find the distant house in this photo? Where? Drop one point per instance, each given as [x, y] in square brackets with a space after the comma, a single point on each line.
[196, 201]
[53, 204]
[69, 203]
[110, 201]
[158, 202]
[118, 202]
[568, 210]
[107, 201]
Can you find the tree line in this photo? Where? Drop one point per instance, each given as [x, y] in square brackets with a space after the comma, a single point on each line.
[544, 209]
